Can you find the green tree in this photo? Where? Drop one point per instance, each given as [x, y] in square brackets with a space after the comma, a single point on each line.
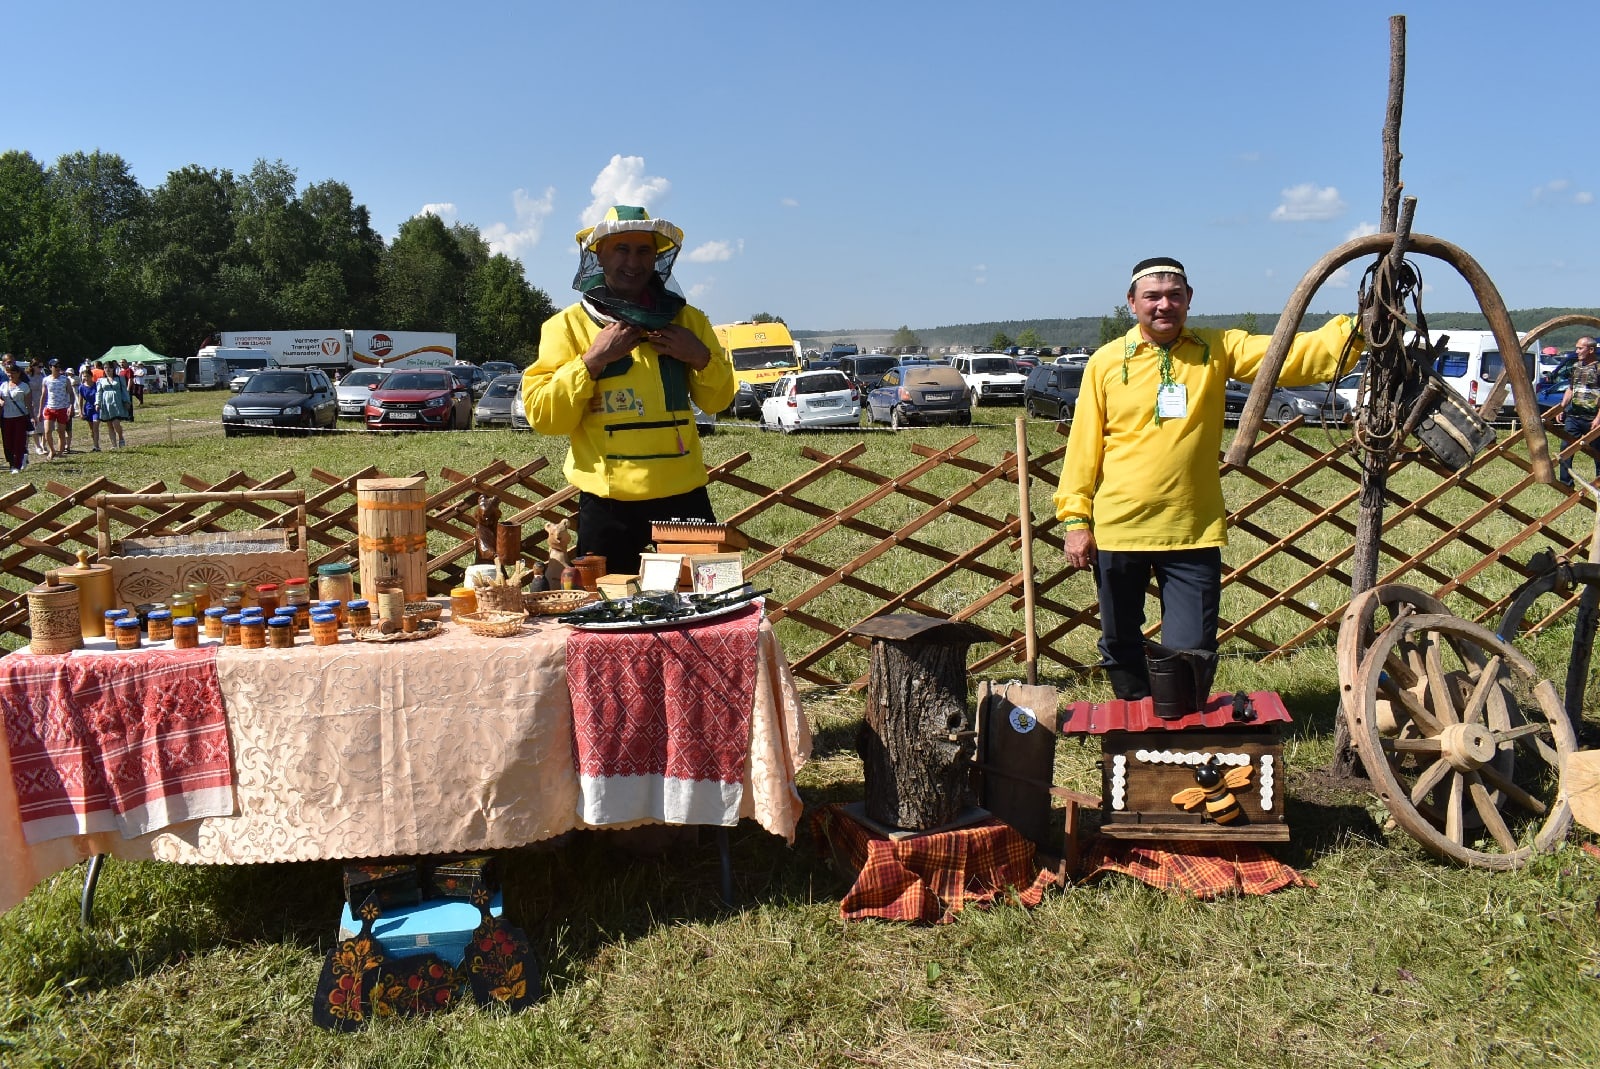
[504, 313]
[1115, 325]
[765, 317]
[104, 204]
[1001, 341]
[905, 338]
[1029, 339]
[45, 270]
[1246, 323]
[423, 279]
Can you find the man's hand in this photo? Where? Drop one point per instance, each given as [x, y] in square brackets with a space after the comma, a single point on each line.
[681, 344]
[613, 343]
[1080, 547]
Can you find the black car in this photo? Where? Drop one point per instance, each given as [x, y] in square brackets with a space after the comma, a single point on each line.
[866, 370]
[1051, 391]
[279, 399]
[473, 378]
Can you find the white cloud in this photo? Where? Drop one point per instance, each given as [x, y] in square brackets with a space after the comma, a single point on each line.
[531, 214]
[1308, 203]
[789, 202]
[445, 211]
[699, 290]
[623, 181]
[1361, 230]
[711, 252]
[1560, 191]
[1340, 279]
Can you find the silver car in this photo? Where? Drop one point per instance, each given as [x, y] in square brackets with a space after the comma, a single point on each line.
[499, 401]
[354, 389]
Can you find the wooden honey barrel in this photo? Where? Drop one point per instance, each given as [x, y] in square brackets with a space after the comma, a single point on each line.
[392, 533]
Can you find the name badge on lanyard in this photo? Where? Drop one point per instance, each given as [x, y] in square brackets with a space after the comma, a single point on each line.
[1172, 401]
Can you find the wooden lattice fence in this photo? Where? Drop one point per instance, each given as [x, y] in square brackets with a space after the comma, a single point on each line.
[935, 530]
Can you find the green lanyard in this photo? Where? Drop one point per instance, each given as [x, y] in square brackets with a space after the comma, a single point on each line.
[1165, 356]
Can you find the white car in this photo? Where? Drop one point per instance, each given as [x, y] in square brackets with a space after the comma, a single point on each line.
[810, 399]
[354, 389]
[990, 378]
[1349, 388]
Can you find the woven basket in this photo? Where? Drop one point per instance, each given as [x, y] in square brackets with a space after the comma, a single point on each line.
[425, 610]
[492, 624]
[53, 623]
[556, 602]
[500, 597]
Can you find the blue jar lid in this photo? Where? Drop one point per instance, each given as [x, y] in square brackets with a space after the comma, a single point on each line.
[160, 614]
[359, 603]
[216, 611]
[232, 618]
[130, 622]
[324, 618]
[116, 614]
[186, 621]
[281, 621]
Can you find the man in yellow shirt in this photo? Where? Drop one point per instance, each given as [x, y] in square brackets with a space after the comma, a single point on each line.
[616, 372]
[1141, 486]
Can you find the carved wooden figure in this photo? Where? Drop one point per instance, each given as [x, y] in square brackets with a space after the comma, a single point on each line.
[488, 522]
[559, 537]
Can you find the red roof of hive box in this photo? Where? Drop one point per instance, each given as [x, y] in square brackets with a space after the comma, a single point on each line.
[1097, 718]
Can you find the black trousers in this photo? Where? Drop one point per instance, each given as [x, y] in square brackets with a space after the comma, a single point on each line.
[1190, 585]
[619, 530]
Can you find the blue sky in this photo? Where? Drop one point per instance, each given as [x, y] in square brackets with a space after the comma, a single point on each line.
[868, 164]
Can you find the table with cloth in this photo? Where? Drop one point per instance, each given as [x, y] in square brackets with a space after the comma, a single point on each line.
[455, 743]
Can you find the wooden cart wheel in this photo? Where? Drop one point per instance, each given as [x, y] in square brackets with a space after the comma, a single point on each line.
[1484, 743]
[1367, 614]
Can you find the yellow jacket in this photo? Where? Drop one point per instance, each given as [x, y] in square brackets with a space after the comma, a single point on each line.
[1148, 485]
[624, 442]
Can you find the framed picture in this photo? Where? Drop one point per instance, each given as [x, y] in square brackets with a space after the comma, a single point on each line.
[659, 571]
[711, 572]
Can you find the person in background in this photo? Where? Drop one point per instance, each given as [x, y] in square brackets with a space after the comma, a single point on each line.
[1580, 404]
[137, 383]
[16, 416]
[57, 410]
[1141, 489]
[71, 376]
[616, 372]
[36, 398]
[114, 404]
[88, 409]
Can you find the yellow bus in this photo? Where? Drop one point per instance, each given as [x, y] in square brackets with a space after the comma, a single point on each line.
[762, 353]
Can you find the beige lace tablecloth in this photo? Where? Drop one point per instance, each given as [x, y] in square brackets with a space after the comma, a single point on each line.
[366, 750]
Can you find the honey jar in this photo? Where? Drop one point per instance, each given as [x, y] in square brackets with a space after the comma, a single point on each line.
[241, 590]
[253, 632]
[185, 633]
[202, 595]
[182, 604]
[267, 598]
[333, 605]
[280, 632]
[463, 599]
[158, 625]
[358, 614]
[213, 617]
[334, 582]
[231, 629]
[112, 616]
[324, 628]
[128, 635]
[294, 592]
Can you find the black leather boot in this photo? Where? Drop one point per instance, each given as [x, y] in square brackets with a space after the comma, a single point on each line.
[1128, 684]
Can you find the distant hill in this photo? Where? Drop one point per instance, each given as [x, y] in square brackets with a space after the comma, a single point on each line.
[1085, 330]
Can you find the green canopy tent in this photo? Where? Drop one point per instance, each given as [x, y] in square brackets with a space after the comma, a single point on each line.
[140, 354]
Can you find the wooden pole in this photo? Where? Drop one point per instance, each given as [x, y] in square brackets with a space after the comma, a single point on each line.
[1375, 462]
[1025, 511]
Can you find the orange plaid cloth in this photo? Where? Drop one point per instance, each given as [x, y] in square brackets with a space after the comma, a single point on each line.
[1205, 870]
[928, 878]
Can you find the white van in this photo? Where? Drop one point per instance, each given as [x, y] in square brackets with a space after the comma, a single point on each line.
[1471, 363]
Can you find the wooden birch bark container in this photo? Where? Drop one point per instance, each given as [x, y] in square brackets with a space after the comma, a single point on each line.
[53, 617]
[392, 533]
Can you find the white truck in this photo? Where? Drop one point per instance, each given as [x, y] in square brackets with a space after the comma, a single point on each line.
[402, 348]
[327, 349]
[215, 365]
[990, 378]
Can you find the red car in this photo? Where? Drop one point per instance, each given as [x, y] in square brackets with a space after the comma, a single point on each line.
[420, 400]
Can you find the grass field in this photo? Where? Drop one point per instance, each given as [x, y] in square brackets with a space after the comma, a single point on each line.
[1392, 959]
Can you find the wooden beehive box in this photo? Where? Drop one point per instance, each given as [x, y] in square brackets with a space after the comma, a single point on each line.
[148, 566]
[694, 538]
[1146, 761]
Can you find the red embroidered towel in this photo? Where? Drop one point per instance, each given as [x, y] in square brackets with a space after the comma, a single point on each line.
[128, 742]
[661, 720]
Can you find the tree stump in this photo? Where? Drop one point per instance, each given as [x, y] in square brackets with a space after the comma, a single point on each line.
[917, 744]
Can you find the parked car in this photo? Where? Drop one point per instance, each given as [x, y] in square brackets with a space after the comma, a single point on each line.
[498, 401]
[1316, 403]
[500, 367]
[994, 379]
[473, 377]
[354, 389]
[240, 377]
[1051, 391]
[866, 369]
[279, 399]
[920, 393]
[1349, 388]
[420, 400]
[1552, 386]
[519, 415]
[811, 399]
